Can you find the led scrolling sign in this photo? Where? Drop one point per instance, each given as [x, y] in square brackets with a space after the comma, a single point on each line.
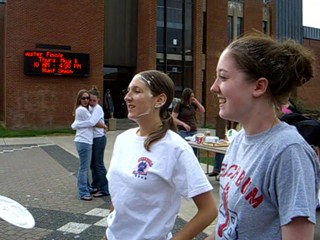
[56, 63]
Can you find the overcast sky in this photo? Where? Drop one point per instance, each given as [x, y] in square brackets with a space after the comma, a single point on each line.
[311, 13]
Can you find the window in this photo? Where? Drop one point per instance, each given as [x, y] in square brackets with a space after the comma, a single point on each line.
[265, 27]
[235, 20]
[174, 40]
[239, 26]
[230, 29]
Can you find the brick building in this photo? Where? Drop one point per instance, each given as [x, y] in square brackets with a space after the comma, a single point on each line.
[39, 101]
[121, 37]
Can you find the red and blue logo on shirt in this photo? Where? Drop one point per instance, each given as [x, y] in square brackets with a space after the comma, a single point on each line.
[142, 168]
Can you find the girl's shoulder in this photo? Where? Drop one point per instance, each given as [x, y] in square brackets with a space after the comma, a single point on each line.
[82, 109]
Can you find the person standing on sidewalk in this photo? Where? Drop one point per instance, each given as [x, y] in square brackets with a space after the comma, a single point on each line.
[269, 178]
[98, 170]
[152, 167]
[108, 103]
[83, 142]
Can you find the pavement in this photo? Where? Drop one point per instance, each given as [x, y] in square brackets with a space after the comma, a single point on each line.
[40, 173]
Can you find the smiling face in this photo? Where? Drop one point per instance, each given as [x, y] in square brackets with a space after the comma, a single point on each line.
[140, 102]
[233, 89]
[84, 99]
[93, 100]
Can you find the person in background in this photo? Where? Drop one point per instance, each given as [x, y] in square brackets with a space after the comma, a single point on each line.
[184, 114]
[152, 167]
[83, 142]
[269, 178]
[108, 103]
[307, 127]
[219, 156]
[98, 170]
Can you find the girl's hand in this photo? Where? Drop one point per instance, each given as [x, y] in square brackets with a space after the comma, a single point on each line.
[187, 127]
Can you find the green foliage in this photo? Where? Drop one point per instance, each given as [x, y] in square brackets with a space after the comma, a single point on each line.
[204, 158]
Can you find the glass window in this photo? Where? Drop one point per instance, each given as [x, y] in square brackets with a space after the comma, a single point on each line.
[204, 33]
[188, 28]
[239, 26]
[174, 26]
[160, 28]
[174, 40]
[230, 29]
[265, 27]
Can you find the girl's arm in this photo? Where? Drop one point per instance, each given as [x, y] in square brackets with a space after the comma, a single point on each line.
[207, 212]
[200, 107]
[94, 119]
[102, 125]
[300, 228]
[179, 122]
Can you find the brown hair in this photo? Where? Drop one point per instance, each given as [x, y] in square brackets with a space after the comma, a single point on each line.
[78, 100]
[285, 65]
[185, 97]
[94, 91]
[159, 82]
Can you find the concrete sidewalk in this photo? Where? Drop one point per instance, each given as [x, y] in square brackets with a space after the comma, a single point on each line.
[39, 172]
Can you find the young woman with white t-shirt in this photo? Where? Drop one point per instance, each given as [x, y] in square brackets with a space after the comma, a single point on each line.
[152, 167]
[83, 142]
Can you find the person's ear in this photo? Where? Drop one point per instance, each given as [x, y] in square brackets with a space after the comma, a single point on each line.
[260, 87]
[160, 101]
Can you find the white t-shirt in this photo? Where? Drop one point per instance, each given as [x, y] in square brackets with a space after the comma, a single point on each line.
[83, 134]
[97, 115]
[146, 187]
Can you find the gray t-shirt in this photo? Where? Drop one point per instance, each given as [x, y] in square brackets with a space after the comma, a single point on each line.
[266, 180]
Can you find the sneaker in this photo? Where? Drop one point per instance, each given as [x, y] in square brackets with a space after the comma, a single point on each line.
[86, 198]
[100, 194]
[94, 190]
[214, 173]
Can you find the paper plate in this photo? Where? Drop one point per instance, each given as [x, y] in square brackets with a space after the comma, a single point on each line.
[16, 214]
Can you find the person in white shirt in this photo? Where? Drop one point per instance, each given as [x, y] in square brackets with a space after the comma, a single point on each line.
[152, 168]
[99, 183]
[83, 142]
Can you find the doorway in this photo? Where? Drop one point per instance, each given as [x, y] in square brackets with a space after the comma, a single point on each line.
[116, 80]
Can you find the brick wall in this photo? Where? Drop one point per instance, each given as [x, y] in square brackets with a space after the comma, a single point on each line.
[147, 35]
[2, 31]
[197, 54]
[309, 92]
[217, 40]
[43, 102]
[252, 12]
[47, 102]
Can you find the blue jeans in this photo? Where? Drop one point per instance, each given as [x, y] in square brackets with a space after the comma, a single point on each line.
[184, 134]
[98, 170]
[218, 162]
[85, 152]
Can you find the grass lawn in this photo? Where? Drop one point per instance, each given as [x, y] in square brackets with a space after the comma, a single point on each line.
[33, 133]
[204, 156]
